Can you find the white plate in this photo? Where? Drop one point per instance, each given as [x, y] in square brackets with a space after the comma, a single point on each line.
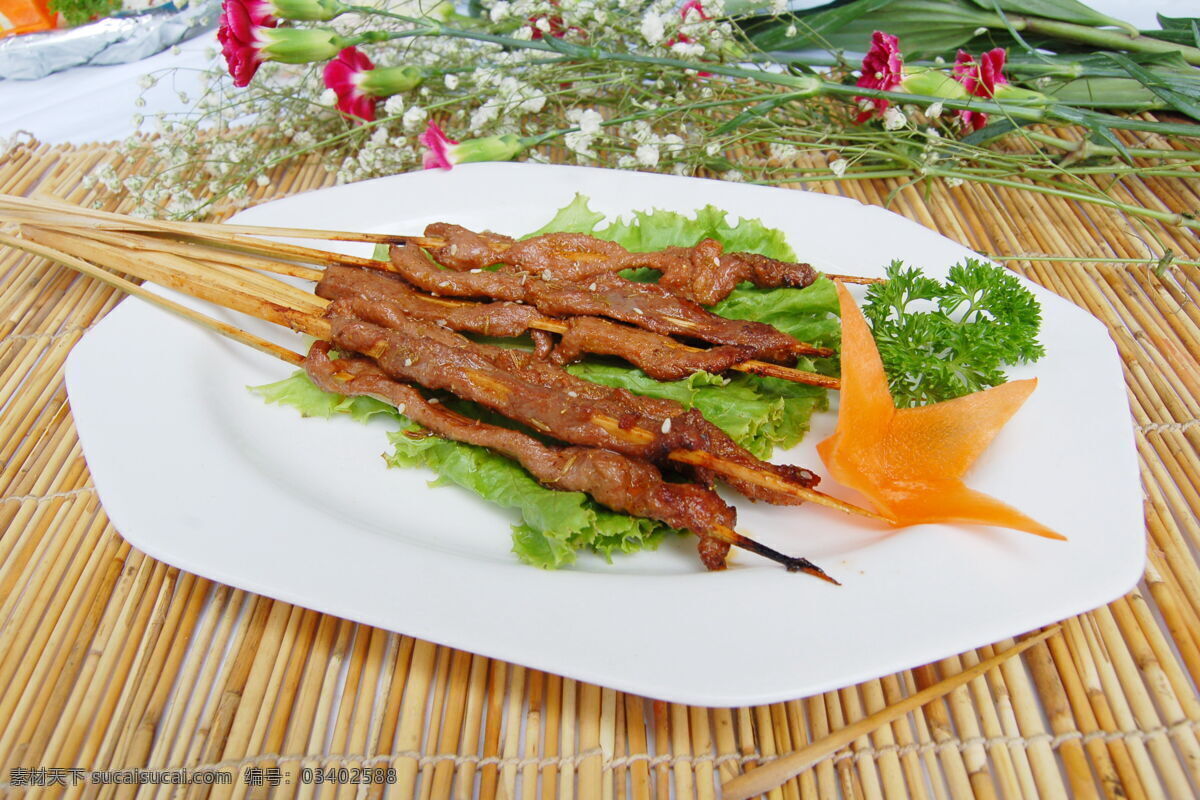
[197, 472]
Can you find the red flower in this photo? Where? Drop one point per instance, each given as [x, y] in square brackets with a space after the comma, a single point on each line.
[980, 79]
[692, 5]
[439, 155]
[238, 34]
[344, 75]
[882, 68]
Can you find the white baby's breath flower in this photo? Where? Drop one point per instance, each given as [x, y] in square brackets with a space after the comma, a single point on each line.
[579, 143]
[647, 155]
[838, 166]
[791, 31]
[953, 182]
[980, 31]
[711, 149]
[893, 119]
[733, 175]
[652, 28]
[627, 162]
[147, 81]
[481, 116]
[394, 106]
[688, 49]
[589, 120]
[327, 98]
[672, 143]
[263, 180]
[414, 118]
[935, 109]
[500, 11]
[779, 7]
[451, 81]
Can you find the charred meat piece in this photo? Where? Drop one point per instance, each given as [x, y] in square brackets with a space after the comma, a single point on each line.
[703, 273]
[391, 298]
[658, 356]
[613, 480]
[548, 399]
[645, 305]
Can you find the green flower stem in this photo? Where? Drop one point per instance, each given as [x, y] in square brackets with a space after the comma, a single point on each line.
[1101, 37]
[1166, 217]
[1087, 148]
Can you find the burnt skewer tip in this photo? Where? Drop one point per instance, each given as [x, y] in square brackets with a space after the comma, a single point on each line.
[790, 563]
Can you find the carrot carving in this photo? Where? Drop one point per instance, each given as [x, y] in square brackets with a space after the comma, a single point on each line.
[910, 461]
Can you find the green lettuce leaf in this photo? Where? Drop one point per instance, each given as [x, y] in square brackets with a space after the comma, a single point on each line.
[553, 524]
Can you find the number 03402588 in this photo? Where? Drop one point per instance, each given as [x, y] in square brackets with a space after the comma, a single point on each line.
[348, 775]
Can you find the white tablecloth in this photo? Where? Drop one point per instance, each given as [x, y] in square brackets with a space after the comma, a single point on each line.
[96, 104]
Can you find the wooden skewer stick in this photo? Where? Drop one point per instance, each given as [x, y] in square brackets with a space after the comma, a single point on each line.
[767, 777]
[134, 224]
[769, 480]
[117, 282]
[225, 289]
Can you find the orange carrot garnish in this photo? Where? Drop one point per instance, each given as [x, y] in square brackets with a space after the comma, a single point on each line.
[910, 461]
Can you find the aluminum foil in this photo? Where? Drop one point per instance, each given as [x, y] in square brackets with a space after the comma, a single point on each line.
[115, 40]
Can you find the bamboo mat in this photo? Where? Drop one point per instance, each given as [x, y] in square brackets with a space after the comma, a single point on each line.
[112, 660]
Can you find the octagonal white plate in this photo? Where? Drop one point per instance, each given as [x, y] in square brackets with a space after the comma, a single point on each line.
[197, 472]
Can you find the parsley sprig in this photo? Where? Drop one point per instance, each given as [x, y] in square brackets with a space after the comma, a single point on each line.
[944, 340]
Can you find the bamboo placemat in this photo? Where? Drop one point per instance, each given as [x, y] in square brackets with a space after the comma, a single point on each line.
[112, 660]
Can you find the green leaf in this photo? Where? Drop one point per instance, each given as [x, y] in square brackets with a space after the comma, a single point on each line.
[940, 341]
[575, 217]
[1104, 135]
[1181, 30]
[1182, 98]
[809, 314]
[299, 392]
[813, 26]
[1064, 10]
[931, 27]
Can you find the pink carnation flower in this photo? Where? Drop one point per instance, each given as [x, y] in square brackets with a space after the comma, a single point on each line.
[241, 20]
[980, 79]
[882, 69]
[344, 75]
[440, 152]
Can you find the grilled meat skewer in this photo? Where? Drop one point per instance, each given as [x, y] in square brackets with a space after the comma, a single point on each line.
[642, 304]
[704, 273]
